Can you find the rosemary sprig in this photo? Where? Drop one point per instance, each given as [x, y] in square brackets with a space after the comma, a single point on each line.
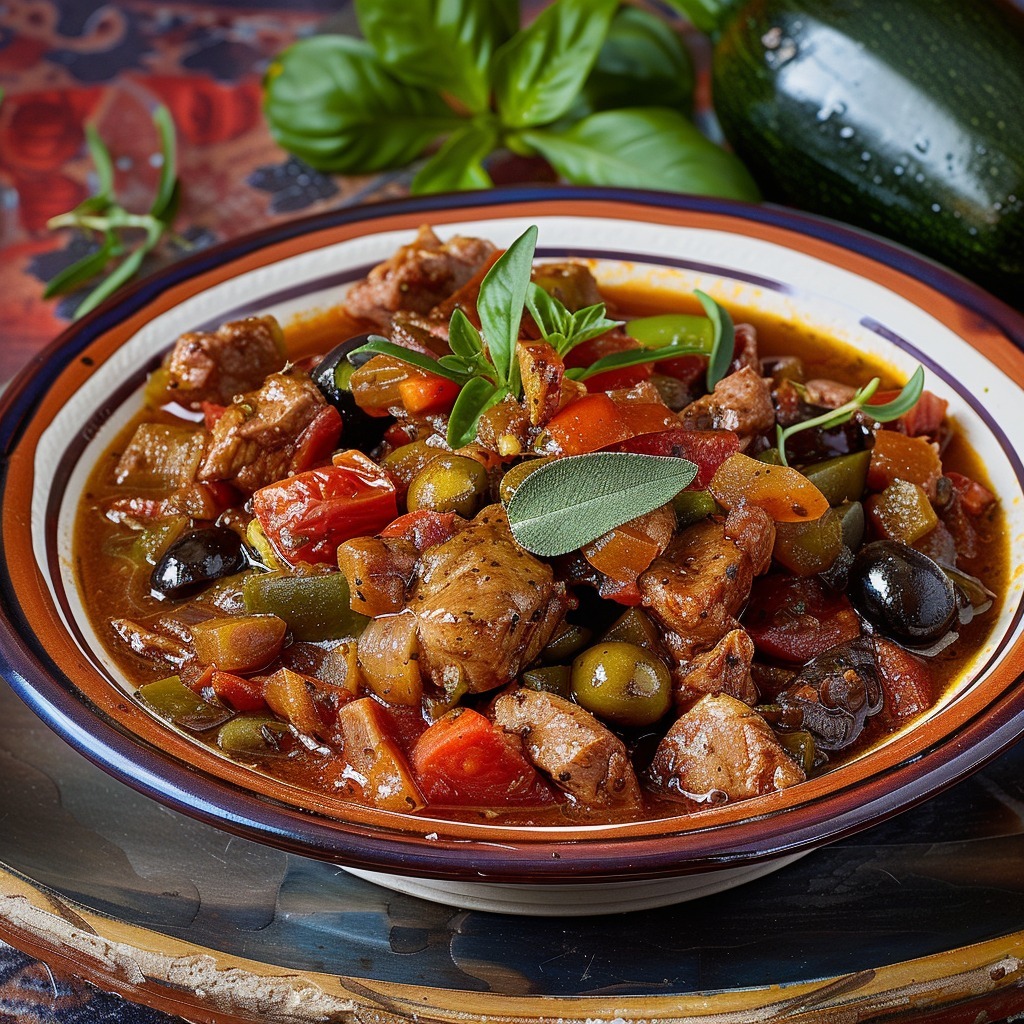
[893, 410]
[103, 215]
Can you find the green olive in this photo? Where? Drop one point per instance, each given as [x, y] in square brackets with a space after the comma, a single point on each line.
[516, 475]
[449, 483]
[622, 683]
[406, 462]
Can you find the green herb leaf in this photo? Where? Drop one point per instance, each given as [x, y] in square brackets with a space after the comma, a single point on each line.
[559, 327]
[458, 165]
[883, 413]
[443, 45]
[706, 15]
[84, 269]
[539, 72]
[723, 341]
[102, 161]
[500, 304]
[381, 346]
[165, 198]
[643, 147]
[642, 63]
[572, 501]
[902, 403]
[631, 357]
[463, 338]
[331, 102]
[475, 398]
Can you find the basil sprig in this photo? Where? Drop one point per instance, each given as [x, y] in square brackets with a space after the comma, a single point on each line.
[884, 413]
[103, 214]
[485, 363]
[570, 502]
[601, 91]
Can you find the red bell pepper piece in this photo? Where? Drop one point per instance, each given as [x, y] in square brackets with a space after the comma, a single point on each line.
[707, 449]
[587, 424]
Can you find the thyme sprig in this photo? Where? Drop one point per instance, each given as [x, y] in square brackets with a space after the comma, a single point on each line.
[102, 215]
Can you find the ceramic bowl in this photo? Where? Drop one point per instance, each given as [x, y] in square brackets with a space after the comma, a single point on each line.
[62, 411]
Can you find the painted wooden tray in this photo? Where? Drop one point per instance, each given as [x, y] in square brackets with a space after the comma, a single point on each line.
[921, 917]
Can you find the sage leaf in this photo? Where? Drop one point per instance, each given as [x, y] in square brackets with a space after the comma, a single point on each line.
[652, 148]
[572, 501]
[540, 71]
[381, 346]
[458, 165]
[443, 45]
[501, 300]
[475, 398]
[331, 102]
[723, 342]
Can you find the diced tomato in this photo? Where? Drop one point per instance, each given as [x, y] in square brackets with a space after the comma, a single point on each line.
[707, 449]
[794, 618]
[907, 683]
[318, 440]
[465, 759]
[646, 417]
[899, 457]
[607, 344]
[923, 419]
[587, 424]
[975, 497]
[423, 528]
[239, 692]
[308, 515]
[212, 411]
[428, 394]
[622, 554]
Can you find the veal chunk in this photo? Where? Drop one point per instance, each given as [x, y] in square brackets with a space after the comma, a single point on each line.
[214, 367]
[484, 606]
[417, 277]
[582, 757]
[256, 440]
[725, 668]
[740, 402]
[721, 751]
[702, 581]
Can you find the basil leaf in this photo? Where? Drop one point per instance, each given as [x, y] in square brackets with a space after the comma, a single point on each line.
[463, 338]
[902, 403]
[330, 101]
[643, 147]
[443, 45]
[569, 502]
[381, 346]
[632, 357]
[457, 166]
[501, 300]
[643, 63]
[475, 398]
[540, 71]
[723, 342]
[549, 314]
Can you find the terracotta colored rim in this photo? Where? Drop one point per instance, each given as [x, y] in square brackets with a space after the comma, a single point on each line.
[62, 685]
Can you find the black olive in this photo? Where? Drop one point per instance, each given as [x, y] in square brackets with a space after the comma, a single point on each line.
[834, 695]
[820, 443]
[903, 592]
[360, 430]
[196, 559]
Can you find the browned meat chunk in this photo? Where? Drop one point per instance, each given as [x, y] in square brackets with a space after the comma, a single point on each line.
[582, 757]
[378, 571]
[214, 367]
[830, 394]
[723, 669]
[484, 606]
[417, 277]
[257, 438]
[571, 283]
[697, 587]
[740, 402]
[746, 347]
[721, 751]
[753, 531]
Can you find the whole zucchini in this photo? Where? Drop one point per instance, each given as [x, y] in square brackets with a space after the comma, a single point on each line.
[905, 118]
